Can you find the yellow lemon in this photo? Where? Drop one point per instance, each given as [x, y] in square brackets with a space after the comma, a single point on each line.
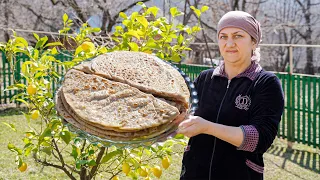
[157, 171]
[125, 168]
[115, 178]
[147, 178]
[165, 162]
[28, 134]
[35, 114]
[31, 89]
[23, 167]
[143, 172]
[87, 46]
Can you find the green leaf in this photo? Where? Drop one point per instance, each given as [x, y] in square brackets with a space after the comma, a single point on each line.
[65, 17]
[21, 86]
[55, 74]
[15, 86]
[18, 161]
[66, 136]
[54, 51]
[92, 163]
[123, 15]
[133, 46]
[110, 155]
[74, 152]
[204, 8]
[180, 26]
[143, 21]
[11, 126]
[46, 133]
[134, 15]
[25, 68]
[179, 136]
[35, 54]
[173, 11]
[142, 5]
[103, 50]
[176, 58]
[119, 28]
[151, 44]
[154, 10]
[126, 22]
[23, 101]
[47, 150]
[22, 40]
[13, 148]
[36, 36]
[78, 165]
[28, 149]
[82, 162]
[168, 143]
[95, 29]
[180, 39]
[196, 29]
[134, 33]
[198, 12]
[53, 44]
[42, 42]
[78, 50]
[91, 152]
[173, 36]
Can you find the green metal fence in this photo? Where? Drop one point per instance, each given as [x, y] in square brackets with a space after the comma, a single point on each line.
[300, 121]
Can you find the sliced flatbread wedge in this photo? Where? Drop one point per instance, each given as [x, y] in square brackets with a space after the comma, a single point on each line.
[141, 70]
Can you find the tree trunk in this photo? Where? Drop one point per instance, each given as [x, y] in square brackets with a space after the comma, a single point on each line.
[309, 65]
[309, 69]
[6, 17]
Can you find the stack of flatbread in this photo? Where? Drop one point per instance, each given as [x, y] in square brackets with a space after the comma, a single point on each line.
[123, 96]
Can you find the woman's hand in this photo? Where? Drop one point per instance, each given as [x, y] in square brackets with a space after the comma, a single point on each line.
[193, 125]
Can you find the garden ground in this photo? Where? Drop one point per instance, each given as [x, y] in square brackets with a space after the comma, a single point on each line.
[302, 162]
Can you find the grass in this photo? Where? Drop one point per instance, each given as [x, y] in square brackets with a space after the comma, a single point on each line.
[302, 162]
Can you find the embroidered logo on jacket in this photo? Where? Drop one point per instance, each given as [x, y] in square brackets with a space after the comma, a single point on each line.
[243, 102]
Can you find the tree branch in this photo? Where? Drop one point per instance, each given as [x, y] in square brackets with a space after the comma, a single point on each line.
[33, 12]
[301, 5]
[205, 24]
[76, 7]
[314, 4]
[39, 16]
[45, 163]
[115, 17]
[59, 154]
[300, 34]
[208, 26]
[260, 2]
[95, 168]
[56, 2]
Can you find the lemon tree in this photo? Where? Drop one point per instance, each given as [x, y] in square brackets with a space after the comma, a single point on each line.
[53, 144]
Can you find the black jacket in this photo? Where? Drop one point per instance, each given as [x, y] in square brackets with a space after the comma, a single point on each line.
[260, 106]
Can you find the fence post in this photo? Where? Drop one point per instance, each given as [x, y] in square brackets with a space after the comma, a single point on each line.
[290, 99]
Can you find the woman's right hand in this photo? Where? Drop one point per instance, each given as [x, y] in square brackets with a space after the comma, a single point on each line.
[193, 125]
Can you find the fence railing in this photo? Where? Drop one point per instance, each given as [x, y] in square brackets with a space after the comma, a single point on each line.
[300, 121]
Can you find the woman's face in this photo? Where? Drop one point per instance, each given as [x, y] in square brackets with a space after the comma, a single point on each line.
[235, 45]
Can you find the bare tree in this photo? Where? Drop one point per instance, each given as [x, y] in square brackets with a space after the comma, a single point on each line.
[305, 6]
[277, 29]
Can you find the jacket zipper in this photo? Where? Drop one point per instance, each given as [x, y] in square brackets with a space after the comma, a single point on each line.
[215, 139]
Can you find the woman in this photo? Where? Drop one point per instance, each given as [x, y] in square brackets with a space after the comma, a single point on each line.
[240, 107]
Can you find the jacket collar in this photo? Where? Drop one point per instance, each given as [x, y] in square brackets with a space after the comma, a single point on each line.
[251, 72]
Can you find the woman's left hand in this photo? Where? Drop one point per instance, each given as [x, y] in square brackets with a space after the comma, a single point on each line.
[193, 125]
